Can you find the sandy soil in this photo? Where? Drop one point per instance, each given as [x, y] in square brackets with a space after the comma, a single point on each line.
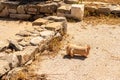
[103, 62]
[8, 28]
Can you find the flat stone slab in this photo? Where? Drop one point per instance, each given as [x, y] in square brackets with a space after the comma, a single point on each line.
[27, 55]
[39, 22]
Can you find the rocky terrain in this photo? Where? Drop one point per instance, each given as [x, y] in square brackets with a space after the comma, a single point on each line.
[34, 36]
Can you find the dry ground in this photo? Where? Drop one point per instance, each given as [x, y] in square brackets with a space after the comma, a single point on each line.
[103, 63]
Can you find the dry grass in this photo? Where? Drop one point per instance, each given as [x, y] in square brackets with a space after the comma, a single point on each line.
[102, 20]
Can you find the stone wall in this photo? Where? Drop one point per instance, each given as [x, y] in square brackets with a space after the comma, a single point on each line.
[41, 9]
[27, 11]
[43, 36]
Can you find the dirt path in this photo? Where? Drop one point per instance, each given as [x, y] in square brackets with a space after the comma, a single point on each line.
[103, 63]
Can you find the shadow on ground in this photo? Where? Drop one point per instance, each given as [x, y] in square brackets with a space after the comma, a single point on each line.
[75, 57]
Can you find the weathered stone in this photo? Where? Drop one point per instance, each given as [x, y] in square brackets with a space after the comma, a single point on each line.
[40, 22]
[60, 27]
[32, 9]
[38, 28]
[10, 58]
[36, 41]
[90, 10]
[10, 4]
[26, 55]
[103, 10]
[77, 11]
[38, 16]
[21, 9]
[12, 11]
[115, 9]
[47, 34]
[14, 45]
[64, 11]
[56, 19]
[4, 67]
[48, 8]
[3, 45]
[4, 12]
[23, 43]
[20, 16]
[1, 7]
[71, 1]
[24, 33]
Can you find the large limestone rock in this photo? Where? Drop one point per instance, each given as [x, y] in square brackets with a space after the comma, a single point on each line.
[36, 41]
[64, 11]
[21, 9]
[60, 27]
[4, 12]
[28, 54]
[40, 22]
[20, 16]
[12, 11]
[14, 45]
[77, 11]
[103, 10]
[115, 9]
[32, 9]
[90, 10]
[1, 7]
[56, 18]
[47, 34]
[48, 8]
[4, 67]
[10, 58]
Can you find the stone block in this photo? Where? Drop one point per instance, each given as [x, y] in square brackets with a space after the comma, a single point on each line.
[64, 11]
[10, 58]
[77, 11]
[115, 9]
[26, 55]
[4, 12]
[12, 11]
[1, 7]
[40, 22]
[32, 9]
[60, 27]
[47, 34]
[90, 10]
[20, 16]
[21, 9]
[57, 19]
[103, 10]
[48, 8]
[36, 41]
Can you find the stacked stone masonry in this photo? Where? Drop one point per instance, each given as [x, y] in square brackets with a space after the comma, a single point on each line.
[32, 42]
[59, 8]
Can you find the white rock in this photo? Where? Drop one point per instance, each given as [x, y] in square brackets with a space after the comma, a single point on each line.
[36, 41]
[47, 33]
[77, 11]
